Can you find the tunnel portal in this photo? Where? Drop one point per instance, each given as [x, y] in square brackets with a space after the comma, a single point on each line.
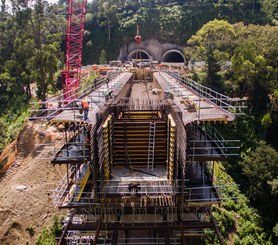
[173, 56]
[139, 54]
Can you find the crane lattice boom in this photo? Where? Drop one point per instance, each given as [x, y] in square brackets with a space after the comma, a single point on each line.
[75, 33]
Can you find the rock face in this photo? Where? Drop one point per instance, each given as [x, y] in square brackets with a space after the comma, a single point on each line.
[151, 48]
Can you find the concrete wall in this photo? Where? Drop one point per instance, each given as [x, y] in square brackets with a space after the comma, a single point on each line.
[152, 47]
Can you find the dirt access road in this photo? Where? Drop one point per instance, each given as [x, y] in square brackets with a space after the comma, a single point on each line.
[32, 207]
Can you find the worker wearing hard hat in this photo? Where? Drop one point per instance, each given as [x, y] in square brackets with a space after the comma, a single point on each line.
[85, 106]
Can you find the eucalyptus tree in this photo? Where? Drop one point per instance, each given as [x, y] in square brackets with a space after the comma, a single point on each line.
[108, 14]
[31, 46]
[254, 64]
[170, 22]
[213, 44]
[47, 30]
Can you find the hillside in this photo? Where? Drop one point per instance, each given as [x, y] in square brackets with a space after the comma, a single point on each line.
[238, 43]
[22, 212]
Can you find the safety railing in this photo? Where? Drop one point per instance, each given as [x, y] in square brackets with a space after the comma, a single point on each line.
[212, 148]
[61, 190]
[80, 238]
[132, 187]
[66, 146]
[220, 100]
[55, 105]
[210, 143]
[207, 194]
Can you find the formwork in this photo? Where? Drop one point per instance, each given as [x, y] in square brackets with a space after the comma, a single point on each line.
[144, 170]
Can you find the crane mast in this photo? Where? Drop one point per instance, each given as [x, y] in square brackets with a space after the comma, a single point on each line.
[74, 47]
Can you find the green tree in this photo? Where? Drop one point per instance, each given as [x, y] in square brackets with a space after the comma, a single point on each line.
[213, 44]
[47, 56]
[237, 221]
[274, 186]
[107, 14]
[260, 167]
[266, 122]
[102, 57]
[274, 191]
[253, 64]
[170, 20]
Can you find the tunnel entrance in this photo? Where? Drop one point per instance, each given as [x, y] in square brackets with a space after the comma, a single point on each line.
[173, 56]
[138, 54]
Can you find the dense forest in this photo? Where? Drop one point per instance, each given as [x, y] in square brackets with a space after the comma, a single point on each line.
[242, 33]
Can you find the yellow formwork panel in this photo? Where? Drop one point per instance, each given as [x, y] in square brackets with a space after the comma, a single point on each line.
[140, 117]
[171, 145]
[141, 112]
[105, 124]
[106, 173]
[83, 184]
[106, 145]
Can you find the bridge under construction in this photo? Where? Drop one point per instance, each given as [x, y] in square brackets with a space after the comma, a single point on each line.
[142, 169]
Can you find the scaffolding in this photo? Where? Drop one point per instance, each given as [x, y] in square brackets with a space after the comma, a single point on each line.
[96, 91]
[159, 224]
[139, 166]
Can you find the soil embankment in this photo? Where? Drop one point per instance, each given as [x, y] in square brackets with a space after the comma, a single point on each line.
[32, 207]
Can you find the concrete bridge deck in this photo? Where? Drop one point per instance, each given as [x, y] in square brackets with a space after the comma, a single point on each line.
[97, 98]
[194, 107]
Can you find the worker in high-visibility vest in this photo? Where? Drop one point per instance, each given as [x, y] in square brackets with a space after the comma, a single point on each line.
[85, 106]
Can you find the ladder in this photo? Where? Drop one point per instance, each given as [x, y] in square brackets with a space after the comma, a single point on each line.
[151, 147]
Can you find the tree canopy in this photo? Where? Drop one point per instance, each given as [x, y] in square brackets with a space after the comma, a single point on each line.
[241, 34]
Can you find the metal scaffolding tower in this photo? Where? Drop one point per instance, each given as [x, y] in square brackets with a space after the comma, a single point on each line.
[144, 168]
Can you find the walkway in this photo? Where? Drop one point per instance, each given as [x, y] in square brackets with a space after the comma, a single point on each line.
[97, 99]
[194, 107]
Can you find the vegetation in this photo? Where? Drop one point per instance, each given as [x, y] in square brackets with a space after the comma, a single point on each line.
[213, 43]
[112, 24]
[31, 230]
[241, 35]
[30, 51]
[48, 235]
[237, 221]
[260, 169]
[252, 74]
[102, 57]
[12, 120]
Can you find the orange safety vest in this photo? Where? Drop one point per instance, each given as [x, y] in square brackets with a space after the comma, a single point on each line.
[85, 104]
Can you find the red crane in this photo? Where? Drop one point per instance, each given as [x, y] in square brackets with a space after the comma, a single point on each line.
[75, 33]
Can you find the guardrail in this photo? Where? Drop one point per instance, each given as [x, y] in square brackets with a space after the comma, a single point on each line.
[218, 99]
[53, 106]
